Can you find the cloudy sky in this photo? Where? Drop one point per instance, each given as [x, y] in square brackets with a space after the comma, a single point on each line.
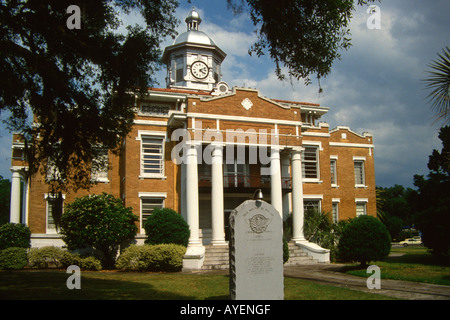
[376, 86]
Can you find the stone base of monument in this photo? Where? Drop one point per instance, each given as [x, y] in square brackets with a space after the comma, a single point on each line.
[193, 258]
[314, 251]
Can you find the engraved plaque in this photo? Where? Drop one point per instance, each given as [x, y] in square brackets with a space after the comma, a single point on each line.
[256, 255]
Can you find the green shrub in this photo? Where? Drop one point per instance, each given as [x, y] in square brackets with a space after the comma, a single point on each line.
[45, 257]
[89, 263]
[285, 251]
[166, 226]
[101, 222]
[49, 256]
[13, 258]
[364, 239]
[161, 257]
[14, 235]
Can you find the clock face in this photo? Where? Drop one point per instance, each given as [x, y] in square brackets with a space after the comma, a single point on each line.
[199, 69]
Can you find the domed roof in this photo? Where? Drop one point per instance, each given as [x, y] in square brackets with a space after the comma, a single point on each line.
[194, 36]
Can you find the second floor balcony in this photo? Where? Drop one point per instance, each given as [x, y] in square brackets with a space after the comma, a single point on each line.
[242, 181]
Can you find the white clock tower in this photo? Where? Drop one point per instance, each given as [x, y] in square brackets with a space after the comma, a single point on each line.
[193, 60]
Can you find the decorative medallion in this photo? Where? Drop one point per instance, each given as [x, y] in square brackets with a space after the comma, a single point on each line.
[246, 103]
[258, 223]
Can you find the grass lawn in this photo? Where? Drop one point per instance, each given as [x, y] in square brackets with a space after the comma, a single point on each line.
[104, 285]
[412, 264]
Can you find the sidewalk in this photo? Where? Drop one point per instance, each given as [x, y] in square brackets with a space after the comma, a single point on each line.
[329, 274]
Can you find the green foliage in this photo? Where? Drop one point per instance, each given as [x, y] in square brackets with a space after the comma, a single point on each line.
[5, 196]
[45, 257]
[432, 201]
[285, 251]
[55, 257]
[77, 82]
[98, 221]
[364, 239]
[161, 257]
[13, 258]
[304, 36]
[438, 82]
[166, 226]
[318, 228]
[14, 235]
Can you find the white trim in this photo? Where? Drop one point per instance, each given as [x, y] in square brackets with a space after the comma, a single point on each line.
[151, 133]
[150, 122]
[312, 196]
[242, 118]
[316, 134]
[312, 143]
[361, 200]
[351, 145]
[359, 158]
[152, 194]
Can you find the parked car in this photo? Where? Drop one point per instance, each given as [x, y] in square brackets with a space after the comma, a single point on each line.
[411, 241]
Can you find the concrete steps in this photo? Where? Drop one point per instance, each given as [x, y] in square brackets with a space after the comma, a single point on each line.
[216, 257]
[297, 256]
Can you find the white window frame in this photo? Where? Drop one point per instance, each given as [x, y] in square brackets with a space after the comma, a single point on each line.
[318, 147]
[362, 161]
[313, 198]
[335, 209]
[333, 171]
[48, 197]
[143, 134]
[361, 202]
[149, 195]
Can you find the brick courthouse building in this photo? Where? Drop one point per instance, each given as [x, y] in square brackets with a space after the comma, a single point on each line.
[202, 147]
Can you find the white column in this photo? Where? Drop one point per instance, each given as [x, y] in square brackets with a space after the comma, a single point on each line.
[284, 180]
[217, 209]
[15, 197]
[297, 196]
[192, 211]
[183, 188]
[275, 180]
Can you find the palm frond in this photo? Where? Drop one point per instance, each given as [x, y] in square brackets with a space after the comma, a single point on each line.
[439, 84]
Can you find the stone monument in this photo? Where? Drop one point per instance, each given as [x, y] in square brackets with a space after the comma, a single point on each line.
[256, 252]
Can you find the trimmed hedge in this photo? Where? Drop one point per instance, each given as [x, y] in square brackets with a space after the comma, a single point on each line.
[13, 258]
[14, 235]
[160, 257]
[364, 239]
[166, 226]
[49, 256]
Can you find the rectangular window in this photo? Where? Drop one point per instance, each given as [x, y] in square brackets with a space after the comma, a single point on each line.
[333, 172]
[54, 209]
[311, 205]
[335, 212]
[152, 156]
[148, 204]
[310, 163]
[99, 170]
[359, 173]
[360, 208]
